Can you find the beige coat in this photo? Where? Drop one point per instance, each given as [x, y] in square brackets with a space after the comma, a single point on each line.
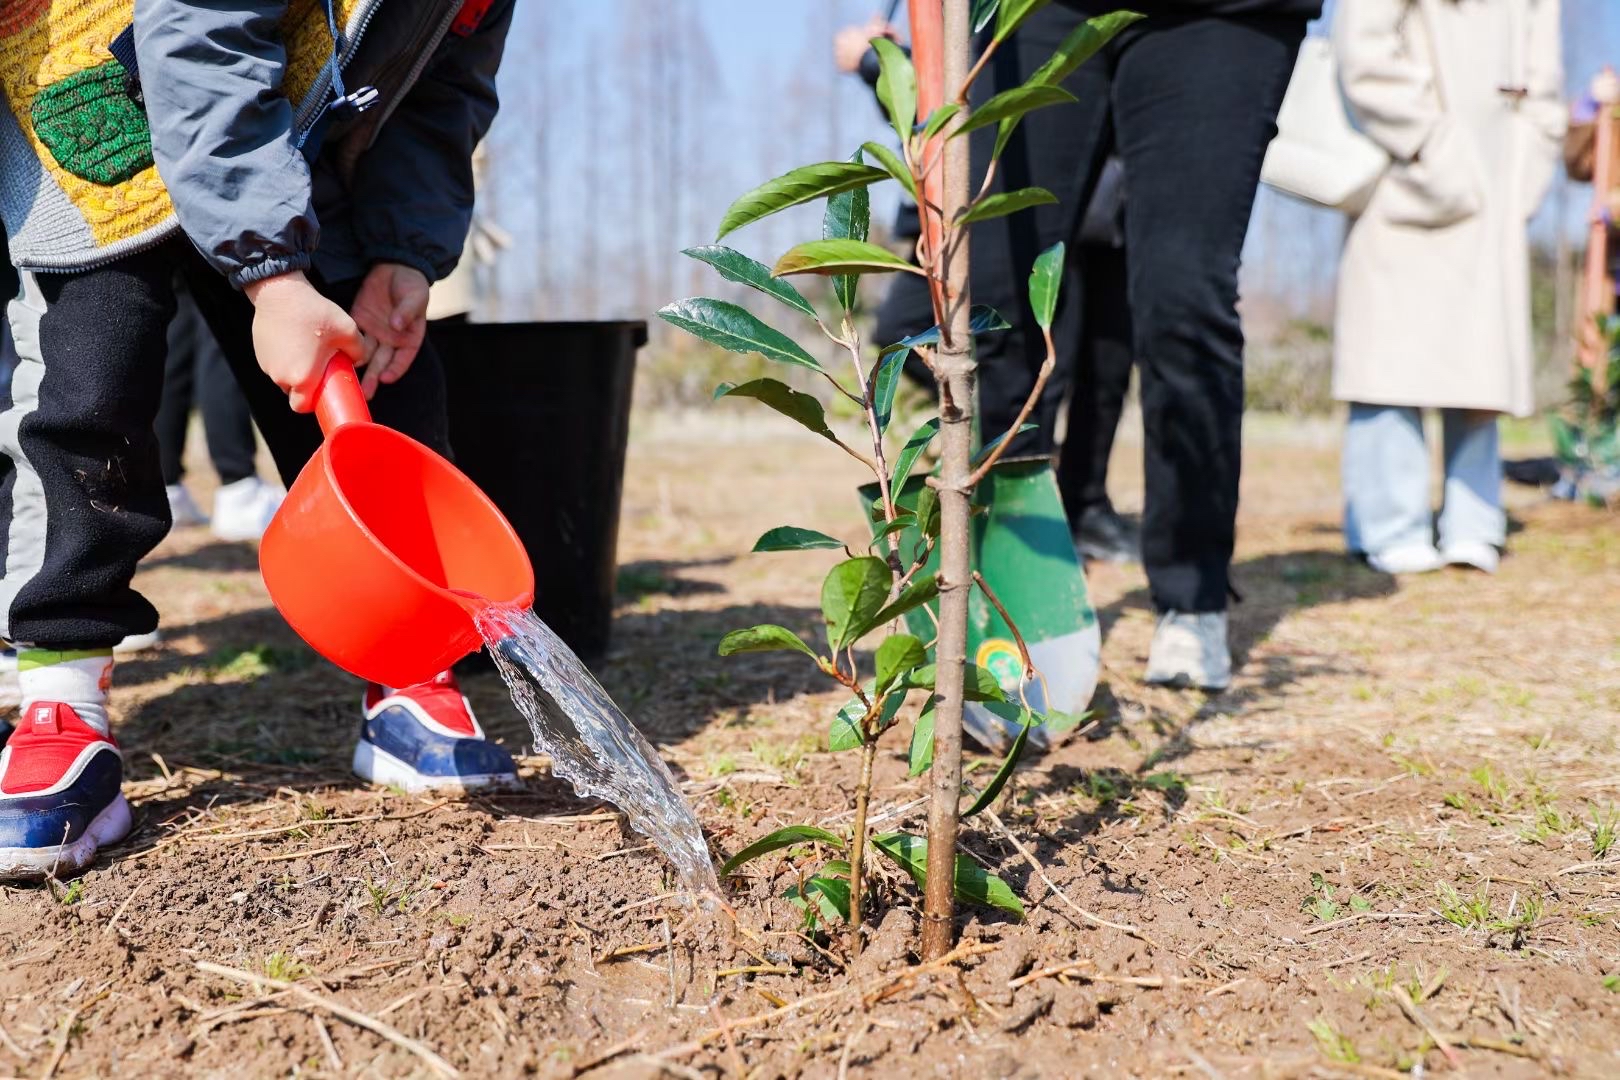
[1434, 288]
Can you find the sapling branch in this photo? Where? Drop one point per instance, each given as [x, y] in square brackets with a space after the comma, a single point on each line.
[1031, 672]
[1023, 414]
[857, 845]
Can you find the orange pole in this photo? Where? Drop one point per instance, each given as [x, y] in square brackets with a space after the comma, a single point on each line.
[928, 57]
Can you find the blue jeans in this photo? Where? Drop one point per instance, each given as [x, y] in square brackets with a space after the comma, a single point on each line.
[1386, 479]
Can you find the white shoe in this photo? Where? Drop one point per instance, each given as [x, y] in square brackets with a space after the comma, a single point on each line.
[135, 643]
[183, 509]
[243, 509]
[1406, 559]
[1474, 553]
[10, 687]
[1189, 649]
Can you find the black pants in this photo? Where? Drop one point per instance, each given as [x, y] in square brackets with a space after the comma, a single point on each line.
[1095, 347]
[1189, 103]
[81, 486]
[196, 373]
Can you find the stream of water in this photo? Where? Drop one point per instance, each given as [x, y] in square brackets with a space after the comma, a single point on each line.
[591, 743]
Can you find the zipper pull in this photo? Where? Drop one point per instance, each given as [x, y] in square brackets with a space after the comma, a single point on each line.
[354, 103]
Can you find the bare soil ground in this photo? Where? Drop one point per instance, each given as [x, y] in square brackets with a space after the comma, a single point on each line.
[1387, 847]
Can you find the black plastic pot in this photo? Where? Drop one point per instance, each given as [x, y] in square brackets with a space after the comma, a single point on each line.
[539, 417]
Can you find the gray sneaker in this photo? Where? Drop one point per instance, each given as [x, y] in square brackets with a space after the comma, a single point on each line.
[1189, 650]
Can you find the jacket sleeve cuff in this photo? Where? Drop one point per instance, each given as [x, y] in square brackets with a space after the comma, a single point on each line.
[405, 257]
[268, 268]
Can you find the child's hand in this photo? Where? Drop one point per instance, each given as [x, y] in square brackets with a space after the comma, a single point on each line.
[391, 310]
[296, 331]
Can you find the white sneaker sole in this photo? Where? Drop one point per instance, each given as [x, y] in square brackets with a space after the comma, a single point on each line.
[60, 860]
[1180, 680]
[378, 766]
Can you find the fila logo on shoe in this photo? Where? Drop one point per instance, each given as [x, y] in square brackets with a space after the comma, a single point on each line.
[45, 721]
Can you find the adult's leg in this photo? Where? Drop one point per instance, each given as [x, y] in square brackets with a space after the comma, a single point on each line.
[1061, 149]
[1195, 104]
[1472, 512]
[1385, 475]
[179, 392]
[1102, 377]
[82, 499]
[414, 405]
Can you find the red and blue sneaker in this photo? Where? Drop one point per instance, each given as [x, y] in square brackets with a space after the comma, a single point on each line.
[59, 794]
[425, 738]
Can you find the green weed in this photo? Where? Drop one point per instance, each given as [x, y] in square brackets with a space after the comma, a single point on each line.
[1605, 823]
[284, 967]
[1334, 1044]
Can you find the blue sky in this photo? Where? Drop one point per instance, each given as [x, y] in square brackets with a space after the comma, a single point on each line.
[628, 126]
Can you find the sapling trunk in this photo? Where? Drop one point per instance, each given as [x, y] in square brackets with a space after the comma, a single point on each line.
[857, 847]
[955, 371]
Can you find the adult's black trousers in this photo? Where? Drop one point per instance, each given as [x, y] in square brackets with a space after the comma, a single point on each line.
[1189, 103]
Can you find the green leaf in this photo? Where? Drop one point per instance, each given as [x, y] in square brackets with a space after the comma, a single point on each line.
[928, 513]
[921, 754]
[910, 452]
[999, 781]
[896, 168]
[764, 638]
[845, 732]
[793, 538]
[848, 217]
[896, 656]
[1057, 722]
[1013, 13]
[919, 592]
[972, 883]
[735, 266]
[885, 384]
[821, 898]
[977, 683]
[896, 86]
[989, 448]
[735, 330]
[900, 523]
[799, 186]
[791, 403]
[1045, 280]
[854, 591]
[1006, 202]
[781, 838]
[982, 12]
[982, 319]
[939, 118]
[1081, 45]
[839, 257]
[1013, 105]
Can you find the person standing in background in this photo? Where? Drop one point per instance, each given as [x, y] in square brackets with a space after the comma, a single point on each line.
[1094, 335]
[1188, 98]
[1434, 287]
[196, 371]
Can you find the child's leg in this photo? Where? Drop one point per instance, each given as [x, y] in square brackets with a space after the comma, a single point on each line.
[418, 737]
[83, 504]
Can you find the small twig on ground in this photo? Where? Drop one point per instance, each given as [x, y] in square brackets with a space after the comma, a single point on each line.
[1365, 916]
[128, 900]
[849, 1048]
[10, 1044]
[631, 950]
[342, 1012]
[1095, 920]
[306, 854]
[1584, 866]
[326, 1041]
[61, 1044]
[1417, 1016]
[591, 1064]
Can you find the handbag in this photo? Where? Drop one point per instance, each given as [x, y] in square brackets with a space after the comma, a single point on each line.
[1318, 155]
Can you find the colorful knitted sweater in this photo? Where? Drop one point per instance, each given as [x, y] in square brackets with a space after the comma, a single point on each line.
[78, 186]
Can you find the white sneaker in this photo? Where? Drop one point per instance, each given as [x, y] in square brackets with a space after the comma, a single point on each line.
[1474, 553]
[1406, 559]
[10, 687]
[183, 508]
[1189, 649]
[243, 509]
[135, 643]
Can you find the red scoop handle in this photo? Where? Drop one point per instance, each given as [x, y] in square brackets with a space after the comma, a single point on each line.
[339, 400]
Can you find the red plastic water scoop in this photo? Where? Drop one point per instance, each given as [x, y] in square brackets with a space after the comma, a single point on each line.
[384, 553]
